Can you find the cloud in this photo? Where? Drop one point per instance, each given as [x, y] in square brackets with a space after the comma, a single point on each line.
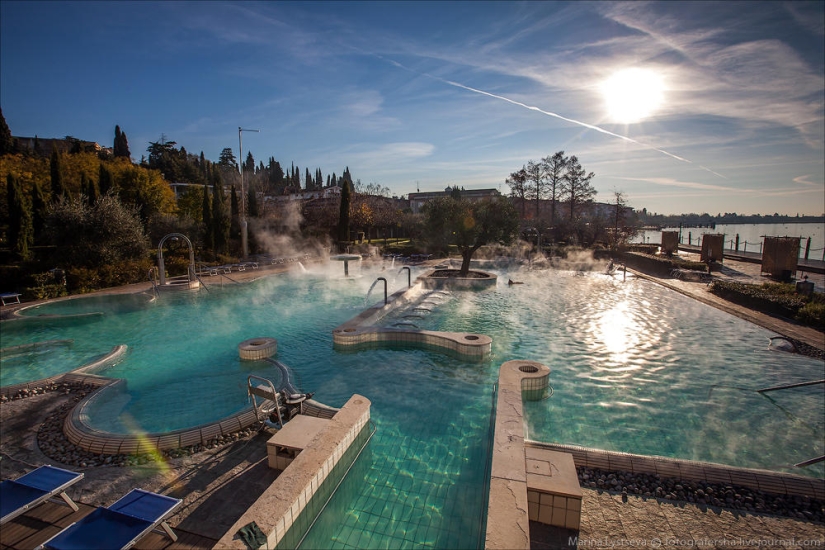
[805, 180]
[397, 152]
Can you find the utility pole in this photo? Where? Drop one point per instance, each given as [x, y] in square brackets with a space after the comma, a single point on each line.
[244, 239]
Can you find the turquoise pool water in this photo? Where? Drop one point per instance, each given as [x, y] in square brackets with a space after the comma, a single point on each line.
[635, 368]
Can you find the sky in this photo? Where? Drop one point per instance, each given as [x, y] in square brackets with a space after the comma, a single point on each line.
[704, 107]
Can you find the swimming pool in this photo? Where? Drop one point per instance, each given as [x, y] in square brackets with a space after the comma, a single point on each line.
[635, 368]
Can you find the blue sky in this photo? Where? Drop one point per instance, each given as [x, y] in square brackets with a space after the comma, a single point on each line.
[718, 106]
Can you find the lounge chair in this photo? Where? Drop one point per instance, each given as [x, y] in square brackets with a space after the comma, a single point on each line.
[19, 495]
[121, 525]
[7, 298]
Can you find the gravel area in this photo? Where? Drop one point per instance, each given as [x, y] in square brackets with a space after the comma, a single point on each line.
[733, 497]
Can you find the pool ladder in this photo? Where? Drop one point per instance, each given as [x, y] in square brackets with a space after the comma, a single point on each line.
[271, 398]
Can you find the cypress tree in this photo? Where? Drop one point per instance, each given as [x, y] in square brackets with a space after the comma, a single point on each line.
[25, 238]
[6, 141]
[58, 187]
[104, 180]
[14, 215]
[90, 189]
[121, 145]
[39, 208]
[208, 241]
[220, 217]
[21, 226]
[233, 202]
[234, 210]
[252, 203]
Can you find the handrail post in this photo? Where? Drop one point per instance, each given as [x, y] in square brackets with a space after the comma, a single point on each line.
[409, 275]
[385, 289]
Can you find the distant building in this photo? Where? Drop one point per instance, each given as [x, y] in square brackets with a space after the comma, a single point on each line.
[417, 200]
[65, 145]
[327, 193]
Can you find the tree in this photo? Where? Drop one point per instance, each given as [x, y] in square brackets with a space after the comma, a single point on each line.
[234, 213]
[39, 210]
[577, 186]
[88, 189]
[106, 233]
[470, 225]
[6, 140]
[535, 183]
[252, 202]
[518, 188]
[21, 226]
[163, 156]
[220, 217]
[58, 187]
[121, 145]
[190, 204]
[343, 215]
[206, 214]
[249, 165]
[104, 180]
[554, 168]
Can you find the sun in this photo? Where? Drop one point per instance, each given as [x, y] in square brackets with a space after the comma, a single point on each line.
[632, 95]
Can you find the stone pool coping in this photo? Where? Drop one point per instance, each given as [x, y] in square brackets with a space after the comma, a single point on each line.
[281, 504]
[78, 431]
[777, 483]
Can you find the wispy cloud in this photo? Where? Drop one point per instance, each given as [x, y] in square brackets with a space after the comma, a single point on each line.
[394, 152]
[806, 180]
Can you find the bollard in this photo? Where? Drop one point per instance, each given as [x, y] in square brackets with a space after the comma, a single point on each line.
[807, 248]
[737, 242]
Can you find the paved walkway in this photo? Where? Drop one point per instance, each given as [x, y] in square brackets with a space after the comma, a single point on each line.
[610, 520]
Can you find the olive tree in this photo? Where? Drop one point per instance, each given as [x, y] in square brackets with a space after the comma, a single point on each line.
[469, 225]
[93, 236]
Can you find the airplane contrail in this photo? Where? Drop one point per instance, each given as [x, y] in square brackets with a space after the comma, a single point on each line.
[554, 115]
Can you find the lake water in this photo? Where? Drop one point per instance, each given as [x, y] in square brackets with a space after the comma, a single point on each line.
[751, 236]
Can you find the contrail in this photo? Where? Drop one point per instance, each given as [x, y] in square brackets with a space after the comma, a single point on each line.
[554, 115]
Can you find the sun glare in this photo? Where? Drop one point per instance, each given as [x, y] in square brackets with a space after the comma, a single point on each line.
[632, 95]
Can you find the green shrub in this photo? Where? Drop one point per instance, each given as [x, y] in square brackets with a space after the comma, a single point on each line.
[812, 314]
[45, 287]
[775, 298]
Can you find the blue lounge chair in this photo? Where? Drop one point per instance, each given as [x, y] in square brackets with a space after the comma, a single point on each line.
[120, 526]
[24, 493]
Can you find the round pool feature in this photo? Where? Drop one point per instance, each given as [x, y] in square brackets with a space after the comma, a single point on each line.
[256, 349]
[346, 258]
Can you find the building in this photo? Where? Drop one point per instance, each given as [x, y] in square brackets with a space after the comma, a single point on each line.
[44, 146]
[417, 200]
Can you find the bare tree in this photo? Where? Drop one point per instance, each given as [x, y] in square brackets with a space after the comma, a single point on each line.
[535, 183]
[577, 186]
[555, 168]
[518, 188]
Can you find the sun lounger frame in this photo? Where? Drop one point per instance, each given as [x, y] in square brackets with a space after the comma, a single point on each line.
[33, 483]
[127, 510]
